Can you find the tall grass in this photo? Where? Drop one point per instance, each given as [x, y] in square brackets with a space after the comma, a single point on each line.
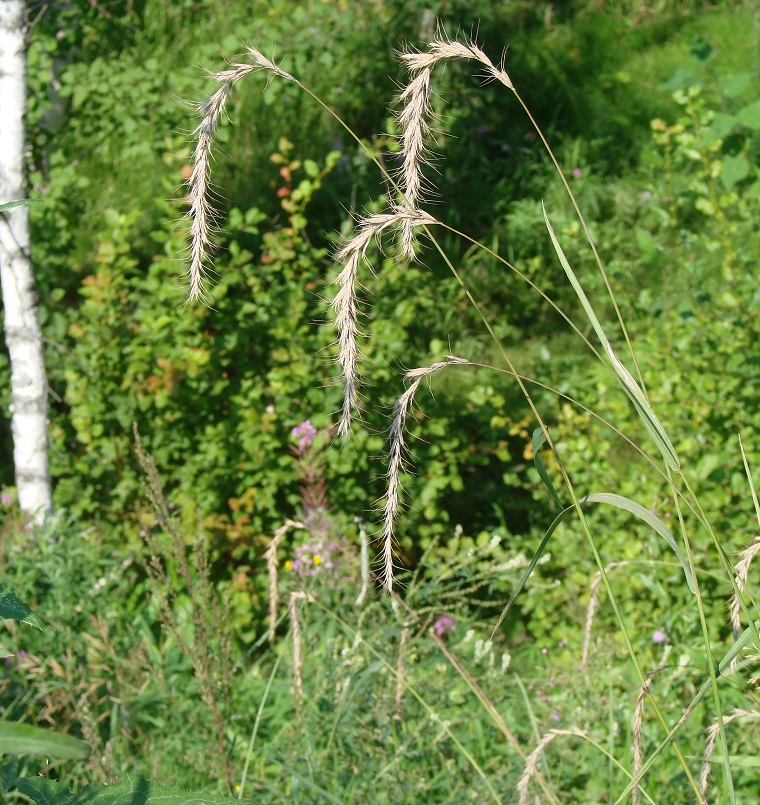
[408, 222]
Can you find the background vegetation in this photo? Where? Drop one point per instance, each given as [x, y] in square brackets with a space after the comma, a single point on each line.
[653, 110]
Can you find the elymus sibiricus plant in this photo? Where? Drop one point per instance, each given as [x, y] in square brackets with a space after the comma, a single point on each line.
[406, 221]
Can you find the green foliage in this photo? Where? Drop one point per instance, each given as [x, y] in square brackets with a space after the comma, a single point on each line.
[159, 657]
[139, 792]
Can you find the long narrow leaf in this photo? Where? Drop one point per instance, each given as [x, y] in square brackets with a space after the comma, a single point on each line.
[654, 522]
[533, 562]
[539, 437]
[8, 205]
[598, 329]
[644, 410]
[640, 402]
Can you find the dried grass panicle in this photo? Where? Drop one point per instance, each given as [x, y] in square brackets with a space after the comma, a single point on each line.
[401, 672]
[346, 305]
[295, 626]
[364, 561]
[416, 111]
[441, 48]
[412, 120]
[593, 602]
[396, 455]
[270, 554]
[199, 186]
[742, 574]
[712, 736]
[531, 763]
[638, 718]
[590, 612]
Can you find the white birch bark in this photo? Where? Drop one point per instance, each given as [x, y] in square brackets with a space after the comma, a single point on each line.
[22, 330]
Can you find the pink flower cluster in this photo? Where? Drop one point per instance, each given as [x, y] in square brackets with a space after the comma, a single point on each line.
[305, 433]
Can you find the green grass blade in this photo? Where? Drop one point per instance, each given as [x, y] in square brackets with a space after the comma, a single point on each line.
[539, 437]
[533, 562]
[8, 205]
[654, 522]
[725, 664]
[640, 402]
[598, 329]
[644, 410]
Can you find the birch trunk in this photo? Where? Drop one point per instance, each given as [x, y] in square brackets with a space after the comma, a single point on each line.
[22, 330]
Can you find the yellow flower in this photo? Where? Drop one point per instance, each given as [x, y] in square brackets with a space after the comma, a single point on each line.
[288, 565]
[317, 559]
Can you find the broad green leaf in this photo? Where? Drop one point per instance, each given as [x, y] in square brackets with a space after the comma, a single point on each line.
[750, 115]
[24, 739]
[737, 84]
[734, 169]
[654, 522]
[538, 439]
[132, 791]
[13, 609]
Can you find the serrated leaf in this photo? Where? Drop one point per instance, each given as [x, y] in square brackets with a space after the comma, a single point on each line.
[13, 609]
[24, 739]
[131, 791]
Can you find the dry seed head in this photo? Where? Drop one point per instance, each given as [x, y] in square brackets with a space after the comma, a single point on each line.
[742, 574]
[441, 48]
[199, 187]
[396, 454]
[638, 717]
[345, 303]
[416, 110]
[531, 763]
[712, 736]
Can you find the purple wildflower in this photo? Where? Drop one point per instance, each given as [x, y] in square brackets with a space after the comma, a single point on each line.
[5, 498]
[305, 433]
[577, 173]
[444, 624]
[659, 637]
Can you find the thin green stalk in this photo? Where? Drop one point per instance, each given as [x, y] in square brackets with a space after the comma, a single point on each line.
[533, 723]
[708, 652]
[259, 713]
[587, 232]
[577, 505]
[430, 711]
